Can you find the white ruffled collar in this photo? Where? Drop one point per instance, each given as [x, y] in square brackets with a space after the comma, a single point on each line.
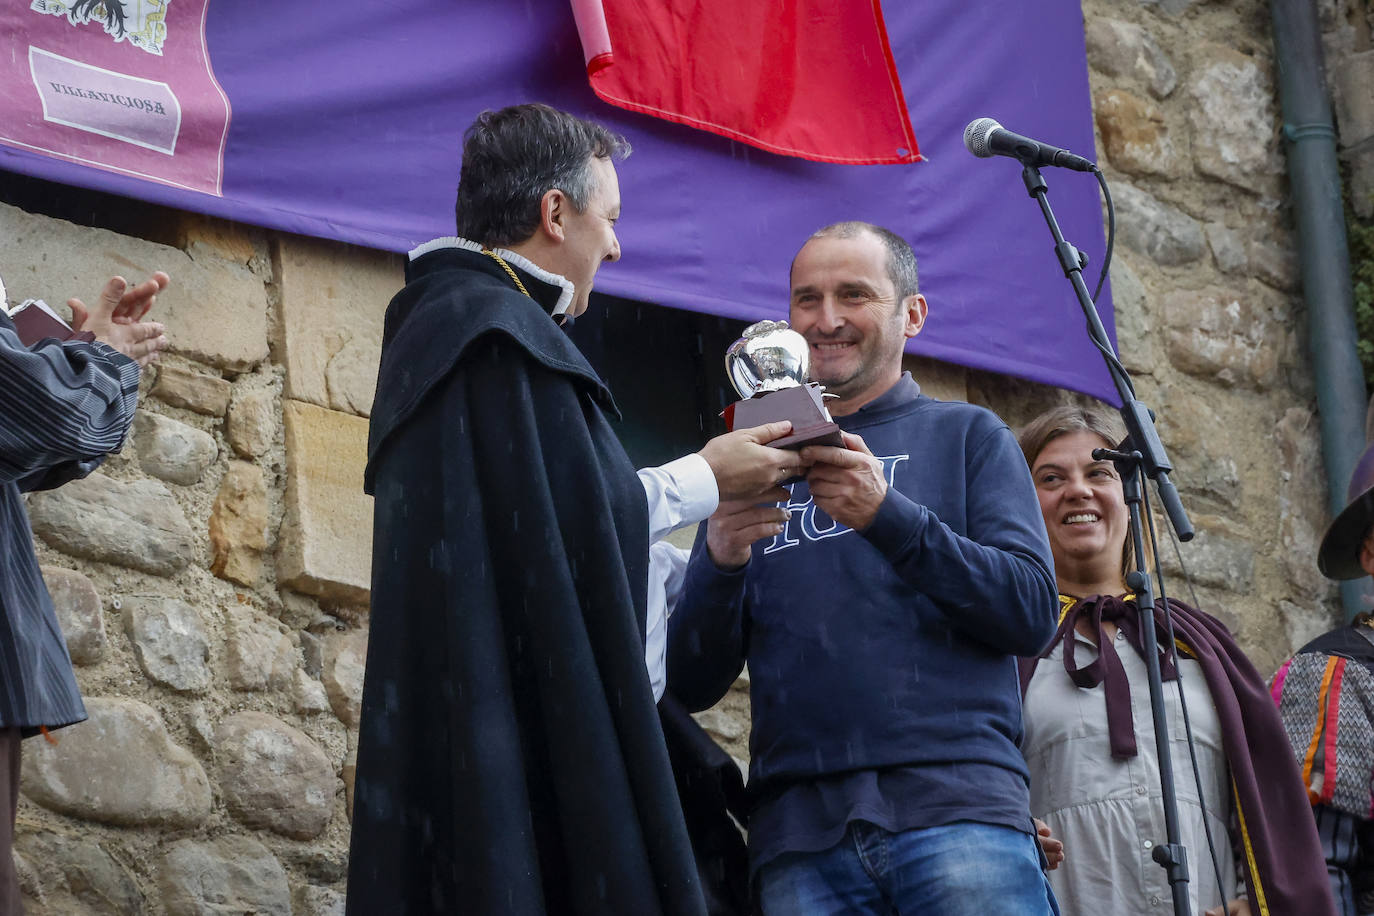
[565, 297]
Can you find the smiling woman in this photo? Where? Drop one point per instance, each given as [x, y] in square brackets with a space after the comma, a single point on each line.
[1089, 738]
[1081, 498]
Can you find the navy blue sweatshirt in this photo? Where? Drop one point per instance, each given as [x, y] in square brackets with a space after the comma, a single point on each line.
[891, 649]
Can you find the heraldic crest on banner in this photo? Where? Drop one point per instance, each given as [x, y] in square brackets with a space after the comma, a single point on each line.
[143, 23]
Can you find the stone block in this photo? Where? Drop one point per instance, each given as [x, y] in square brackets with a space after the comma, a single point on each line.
[138, 524]
[325, 545]
[118, 767]
[318, 864]
[1135, 135]
[1352, 77]
[217, 313]
[170, 642]
[1135, 333]
[199, 726]
[309, 694]
[30, 884]
[207, 394]
[345, 658]
[261, 656]
[1212, 476]
[348, 773]
[940, 380]
[1189, 422]
[228, 875]
[1362, 183]
[1304, 623]
[319, 901]
[728, 722]
[171, 450]
[1215, 333]
[722, 726]
[1275, 264]
[1122, 49]
[253, 421]
[333, 300]
[1302, 506]
[1228, 248]
[1234, 120]
[1213, 559]
[312, 650]
[78, 613]
[1174, 8]
[273, 776]
[203, 236]
[1153, 228]
[76, 875]
[238, 525]
[215, 310]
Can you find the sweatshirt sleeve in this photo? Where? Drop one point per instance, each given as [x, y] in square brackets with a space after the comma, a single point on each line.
[707, 632]
[995, 584]
[63, 406]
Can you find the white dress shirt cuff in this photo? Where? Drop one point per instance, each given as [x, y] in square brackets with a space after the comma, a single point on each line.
[680, 493]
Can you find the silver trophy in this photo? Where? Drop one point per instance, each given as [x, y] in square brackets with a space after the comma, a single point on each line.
[769, 368]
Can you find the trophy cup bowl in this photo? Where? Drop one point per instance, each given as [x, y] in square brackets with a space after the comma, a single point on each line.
[769, 368]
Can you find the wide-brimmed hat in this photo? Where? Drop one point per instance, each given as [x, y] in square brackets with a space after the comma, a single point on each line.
[1339, 556]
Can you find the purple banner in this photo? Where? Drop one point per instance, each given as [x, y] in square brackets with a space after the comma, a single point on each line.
[347, 123]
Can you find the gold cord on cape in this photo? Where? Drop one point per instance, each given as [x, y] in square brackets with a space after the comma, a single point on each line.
[507, 268]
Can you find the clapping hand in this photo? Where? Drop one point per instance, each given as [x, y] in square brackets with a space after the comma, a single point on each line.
[117, 318]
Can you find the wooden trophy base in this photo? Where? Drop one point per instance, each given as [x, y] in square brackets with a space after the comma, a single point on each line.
[804, 405]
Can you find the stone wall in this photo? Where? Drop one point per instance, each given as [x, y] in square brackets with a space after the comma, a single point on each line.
[212, 578]
[1348, 34]
[1208, 298]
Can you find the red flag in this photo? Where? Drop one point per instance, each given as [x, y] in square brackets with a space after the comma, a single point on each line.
[807, 78]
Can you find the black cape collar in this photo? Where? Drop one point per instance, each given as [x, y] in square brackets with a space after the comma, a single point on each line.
[454, 295]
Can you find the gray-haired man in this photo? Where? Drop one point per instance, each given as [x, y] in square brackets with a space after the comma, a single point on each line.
[510, 758]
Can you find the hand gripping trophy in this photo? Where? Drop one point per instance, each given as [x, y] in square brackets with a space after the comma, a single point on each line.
[769, 367]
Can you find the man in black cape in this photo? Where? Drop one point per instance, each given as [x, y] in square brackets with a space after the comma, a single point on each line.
[510, 758]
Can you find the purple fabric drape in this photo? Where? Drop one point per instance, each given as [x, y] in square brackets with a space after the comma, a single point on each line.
[346, 122]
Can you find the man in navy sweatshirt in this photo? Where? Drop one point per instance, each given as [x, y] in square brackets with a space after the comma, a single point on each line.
[880, 610]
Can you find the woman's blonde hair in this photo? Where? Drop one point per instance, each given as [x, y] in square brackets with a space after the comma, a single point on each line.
[1061, 421]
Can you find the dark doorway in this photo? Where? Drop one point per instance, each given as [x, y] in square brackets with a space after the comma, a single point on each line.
[666, 368]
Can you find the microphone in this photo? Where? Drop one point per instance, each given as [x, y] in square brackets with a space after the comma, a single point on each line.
[986, 138]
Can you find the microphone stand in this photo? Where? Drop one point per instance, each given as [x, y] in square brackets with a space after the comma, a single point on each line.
[1142, 455]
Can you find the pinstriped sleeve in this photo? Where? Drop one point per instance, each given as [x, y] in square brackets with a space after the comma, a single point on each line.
[61, 403]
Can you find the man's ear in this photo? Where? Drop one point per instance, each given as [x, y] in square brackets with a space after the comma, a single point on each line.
[553, 211]
[915, 308]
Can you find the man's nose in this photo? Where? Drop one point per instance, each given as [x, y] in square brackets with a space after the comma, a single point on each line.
[614, 253]
[828, 318]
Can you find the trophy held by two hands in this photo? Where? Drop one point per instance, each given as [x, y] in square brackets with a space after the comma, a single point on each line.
[769, 367]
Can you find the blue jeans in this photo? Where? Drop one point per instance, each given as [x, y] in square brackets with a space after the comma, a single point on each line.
[960, 869]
